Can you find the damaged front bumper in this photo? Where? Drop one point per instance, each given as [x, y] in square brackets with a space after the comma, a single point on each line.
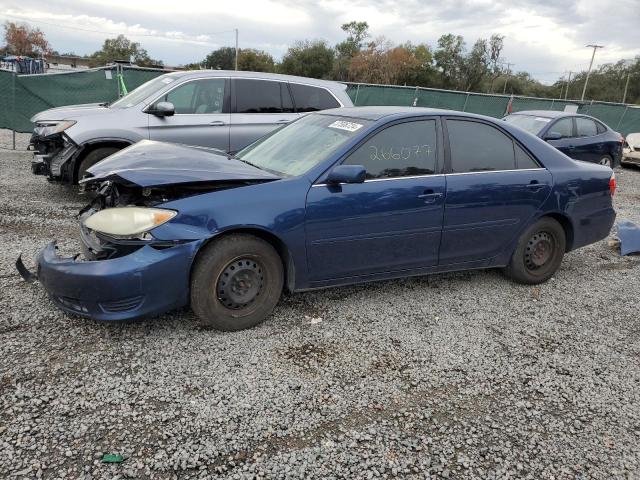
[53, 156]
[149, 281]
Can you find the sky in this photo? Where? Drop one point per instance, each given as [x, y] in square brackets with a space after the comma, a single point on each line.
[545, 38]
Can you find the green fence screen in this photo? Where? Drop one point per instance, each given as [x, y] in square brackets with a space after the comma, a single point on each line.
[22, 96]
[622, 118]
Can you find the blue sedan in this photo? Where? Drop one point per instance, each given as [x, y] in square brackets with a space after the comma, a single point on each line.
[335, 198]
[578, 136]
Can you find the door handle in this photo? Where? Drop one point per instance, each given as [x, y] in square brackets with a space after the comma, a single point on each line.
[571, 147]
[217, 123]
[429, 196]
[283, 121]
[535, 185]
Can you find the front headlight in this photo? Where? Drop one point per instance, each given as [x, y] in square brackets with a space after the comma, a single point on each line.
[47, 128]
[128, 221]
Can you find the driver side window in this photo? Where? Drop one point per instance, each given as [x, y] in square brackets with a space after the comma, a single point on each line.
[197, 97]
[401, 150]
[563, 127]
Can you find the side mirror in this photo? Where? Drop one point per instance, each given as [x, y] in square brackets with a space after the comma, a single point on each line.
[347, 174]
[163, 109]
[552, 136]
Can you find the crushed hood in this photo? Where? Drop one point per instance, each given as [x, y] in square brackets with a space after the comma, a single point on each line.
[71, 112]
[149, 163]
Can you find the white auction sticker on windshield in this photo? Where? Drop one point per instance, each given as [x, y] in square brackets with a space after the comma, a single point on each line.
[348, 126]
[167, 80]
[542, 119]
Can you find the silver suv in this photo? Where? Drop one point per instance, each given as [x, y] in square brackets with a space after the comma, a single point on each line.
[219, 109]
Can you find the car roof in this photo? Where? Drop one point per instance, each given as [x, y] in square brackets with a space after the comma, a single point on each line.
[547, 113]
[258, 75]
[378, 112]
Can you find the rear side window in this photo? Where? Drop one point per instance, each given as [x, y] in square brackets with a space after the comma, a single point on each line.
[477, 147]
[312, 99]
[402, 150]
[586, 127]
[601, 128]
[258, 96]
[523, 159]
[563, 127]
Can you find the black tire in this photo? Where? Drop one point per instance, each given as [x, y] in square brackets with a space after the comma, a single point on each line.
[94, 157]
[236, 282]
[607, 161]
[539, 253]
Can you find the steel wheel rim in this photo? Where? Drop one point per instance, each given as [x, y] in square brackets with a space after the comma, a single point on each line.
[605, 161]
[540, 251]
[240, 283]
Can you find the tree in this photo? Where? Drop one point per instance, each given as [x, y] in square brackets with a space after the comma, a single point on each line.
[381, 62]
[123, 49]
[25, 40]
[449, 59]
[496, 44]
[423, 74]
[255, 61]
[224, 58]
[221, 59]
[347, 49]
[475, 67]
[309, 58]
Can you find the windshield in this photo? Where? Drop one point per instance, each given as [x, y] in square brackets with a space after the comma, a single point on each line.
[143, 91]
[530, 123]
[298, 147]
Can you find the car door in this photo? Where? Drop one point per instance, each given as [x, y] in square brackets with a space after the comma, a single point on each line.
[565, 128]
[258, 107]
[588, 145]
[494, 188]
[392, 221]
[201, 114]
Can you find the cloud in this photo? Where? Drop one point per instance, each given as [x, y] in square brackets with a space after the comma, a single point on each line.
[543, 38]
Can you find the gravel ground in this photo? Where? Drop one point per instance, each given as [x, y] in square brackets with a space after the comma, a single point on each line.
[458, 376]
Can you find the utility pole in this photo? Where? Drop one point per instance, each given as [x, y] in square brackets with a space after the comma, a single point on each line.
[568, 83]
[626, 87]
[236, 48]
[595, 47]
[504, 90]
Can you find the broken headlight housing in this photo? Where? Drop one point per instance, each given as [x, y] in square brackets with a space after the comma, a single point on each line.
[127, 222]
[46, 128]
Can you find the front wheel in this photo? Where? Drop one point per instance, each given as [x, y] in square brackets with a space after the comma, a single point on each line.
[94, 157]
[236, 282]
[539, 252]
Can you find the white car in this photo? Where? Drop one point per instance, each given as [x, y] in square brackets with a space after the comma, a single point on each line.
[631, 150]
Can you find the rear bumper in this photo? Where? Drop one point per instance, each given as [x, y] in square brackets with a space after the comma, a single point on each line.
[144, 283]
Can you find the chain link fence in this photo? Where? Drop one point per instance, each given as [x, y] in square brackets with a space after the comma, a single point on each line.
[621, 117]
[22, 96]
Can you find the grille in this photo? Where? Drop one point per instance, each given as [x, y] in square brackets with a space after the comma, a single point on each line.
[118, 306]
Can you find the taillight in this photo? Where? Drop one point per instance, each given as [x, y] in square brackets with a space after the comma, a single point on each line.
[612, 184]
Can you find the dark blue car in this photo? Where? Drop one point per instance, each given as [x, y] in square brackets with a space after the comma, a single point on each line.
[335, 198]
[577, 136]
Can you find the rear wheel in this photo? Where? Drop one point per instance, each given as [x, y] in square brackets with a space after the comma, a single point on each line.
[236, 282]
[539, 252]
[606, 161]
[94, 157]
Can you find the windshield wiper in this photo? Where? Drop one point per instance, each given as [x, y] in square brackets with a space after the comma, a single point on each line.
[105, 104]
